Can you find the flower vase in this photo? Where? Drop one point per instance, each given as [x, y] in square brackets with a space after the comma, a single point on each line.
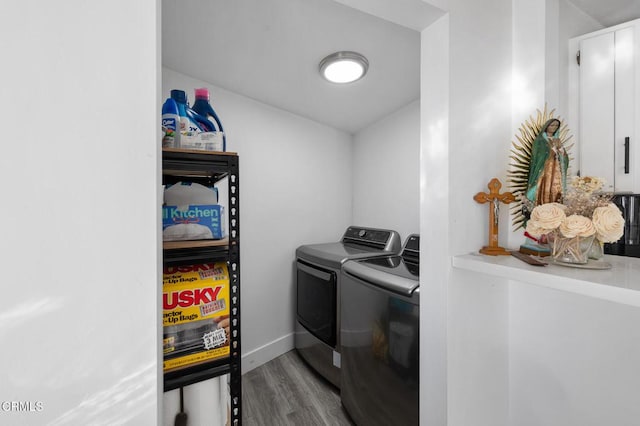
[571, 250]
[597, 250]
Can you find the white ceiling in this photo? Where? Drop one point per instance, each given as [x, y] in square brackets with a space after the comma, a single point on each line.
[269, 50]
[610, 12]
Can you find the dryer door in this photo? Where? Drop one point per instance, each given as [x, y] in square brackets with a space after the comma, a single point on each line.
[316, 301]
[379, 336]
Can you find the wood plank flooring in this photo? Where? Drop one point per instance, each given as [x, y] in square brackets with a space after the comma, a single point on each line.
[286, 391]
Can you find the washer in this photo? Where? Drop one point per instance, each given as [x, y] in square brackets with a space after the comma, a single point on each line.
[380, 338]
[318, 266]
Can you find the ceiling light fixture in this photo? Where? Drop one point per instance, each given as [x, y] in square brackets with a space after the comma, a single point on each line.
[344, 67]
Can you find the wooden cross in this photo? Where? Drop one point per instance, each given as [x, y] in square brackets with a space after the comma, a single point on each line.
[495, 198]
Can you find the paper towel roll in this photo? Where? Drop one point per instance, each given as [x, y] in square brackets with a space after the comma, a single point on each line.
[225, 400]
[202, 403]
[170, 407]
[186, 193]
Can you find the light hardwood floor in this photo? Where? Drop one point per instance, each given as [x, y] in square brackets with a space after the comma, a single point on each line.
[286, 391]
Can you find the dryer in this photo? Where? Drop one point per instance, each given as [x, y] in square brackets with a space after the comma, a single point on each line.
[318, 267]
[380, 338]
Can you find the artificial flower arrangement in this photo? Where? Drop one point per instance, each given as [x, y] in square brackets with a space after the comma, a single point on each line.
[571, 227]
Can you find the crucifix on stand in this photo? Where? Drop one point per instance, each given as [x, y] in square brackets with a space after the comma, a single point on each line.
[495, 198]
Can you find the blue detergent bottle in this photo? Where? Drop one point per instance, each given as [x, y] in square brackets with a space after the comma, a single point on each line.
[204, 108]
[190, 121]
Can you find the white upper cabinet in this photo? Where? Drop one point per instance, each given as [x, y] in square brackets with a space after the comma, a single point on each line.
[605, 96]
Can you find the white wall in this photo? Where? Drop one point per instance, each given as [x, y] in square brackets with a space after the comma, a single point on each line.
[478, 350]
[434, 220]
[532, 74]
[295, 188]
[466, 129]
[80, 213]
[480, 113]
[573, 360]
[386, 171]
[487, 356]
[480, 131]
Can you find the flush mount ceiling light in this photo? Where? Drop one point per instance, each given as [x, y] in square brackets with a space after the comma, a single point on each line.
[344, 67]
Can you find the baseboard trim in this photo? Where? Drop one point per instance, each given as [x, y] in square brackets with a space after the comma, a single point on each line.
[266, 353]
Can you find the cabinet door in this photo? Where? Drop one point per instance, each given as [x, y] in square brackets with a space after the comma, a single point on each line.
[625, 110]
[597, 96]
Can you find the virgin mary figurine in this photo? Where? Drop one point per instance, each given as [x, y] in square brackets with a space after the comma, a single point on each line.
[547, 179]
[548, 168]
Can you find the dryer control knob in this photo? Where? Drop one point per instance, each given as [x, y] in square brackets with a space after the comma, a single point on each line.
[362, 233]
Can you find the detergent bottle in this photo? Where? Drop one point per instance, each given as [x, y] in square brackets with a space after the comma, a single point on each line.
[190, 121]
[170, 124]
[203, 107]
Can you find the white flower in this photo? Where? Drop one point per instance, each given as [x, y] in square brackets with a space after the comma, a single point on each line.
[587, 184]
[534, 229]
[577, 226]
[609, 223]
[547, 217]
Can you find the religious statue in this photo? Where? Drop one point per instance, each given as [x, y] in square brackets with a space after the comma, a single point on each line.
[547, 180]
[538, 171]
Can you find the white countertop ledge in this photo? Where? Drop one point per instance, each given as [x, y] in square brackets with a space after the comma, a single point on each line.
[620, 284]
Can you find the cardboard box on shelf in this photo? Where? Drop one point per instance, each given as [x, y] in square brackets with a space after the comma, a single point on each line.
[202, 141]
[195, 314]
[193, 222]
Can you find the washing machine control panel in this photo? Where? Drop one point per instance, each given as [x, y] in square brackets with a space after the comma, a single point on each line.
[367, 235]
